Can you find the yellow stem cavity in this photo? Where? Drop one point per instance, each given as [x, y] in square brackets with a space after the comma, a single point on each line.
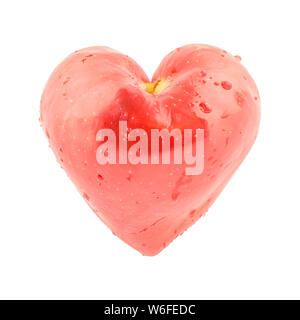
[154, 87]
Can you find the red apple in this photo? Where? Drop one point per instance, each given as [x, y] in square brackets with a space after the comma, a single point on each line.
[196, 86]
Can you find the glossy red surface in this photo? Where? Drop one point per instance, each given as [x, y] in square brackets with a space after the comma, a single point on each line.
[148, 206]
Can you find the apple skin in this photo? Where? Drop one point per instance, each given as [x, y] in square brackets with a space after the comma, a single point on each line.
[148, 206]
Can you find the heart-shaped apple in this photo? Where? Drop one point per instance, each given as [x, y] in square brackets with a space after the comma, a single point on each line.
[97, 92]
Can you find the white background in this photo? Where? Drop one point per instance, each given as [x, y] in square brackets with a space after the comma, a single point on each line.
[51, 243]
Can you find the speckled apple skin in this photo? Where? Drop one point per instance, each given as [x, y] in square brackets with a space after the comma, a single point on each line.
[148, 206]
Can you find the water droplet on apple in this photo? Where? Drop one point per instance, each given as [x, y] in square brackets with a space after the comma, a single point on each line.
[226, 85]
[192, 213]
[204, 107]
[100, 177]
[66, 81]
[225, 115]
[239, 98]
[86, 196]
